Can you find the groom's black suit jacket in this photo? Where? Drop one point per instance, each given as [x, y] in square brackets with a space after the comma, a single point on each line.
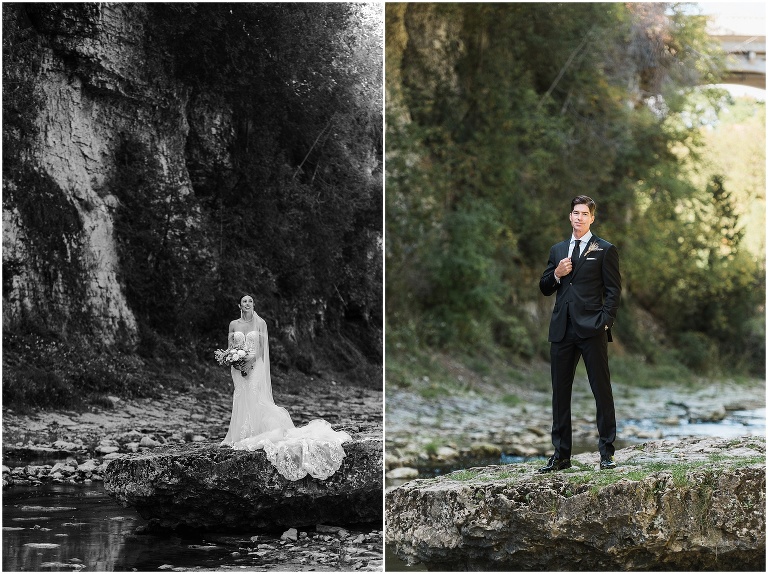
[589, 293]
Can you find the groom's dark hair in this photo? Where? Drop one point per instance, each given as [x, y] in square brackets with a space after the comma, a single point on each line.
[584, 200]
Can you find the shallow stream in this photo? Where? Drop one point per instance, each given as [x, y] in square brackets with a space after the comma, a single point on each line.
[68, 527]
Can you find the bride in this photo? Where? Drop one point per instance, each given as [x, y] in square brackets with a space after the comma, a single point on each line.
[258, 423]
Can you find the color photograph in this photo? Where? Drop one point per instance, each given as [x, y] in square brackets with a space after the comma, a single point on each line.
[575, 286]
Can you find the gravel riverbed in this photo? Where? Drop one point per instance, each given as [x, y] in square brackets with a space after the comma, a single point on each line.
[473, 427]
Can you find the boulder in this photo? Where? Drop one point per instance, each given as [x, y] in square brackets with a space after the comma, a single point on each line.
[149, 442]
[404, 472]
[290, 534]
[484, 450]
[694, 504]
[201, 486]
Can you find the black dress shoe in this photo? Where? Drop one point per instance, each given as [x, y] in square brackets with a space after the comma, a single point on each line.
[555, 464]
[607, 463]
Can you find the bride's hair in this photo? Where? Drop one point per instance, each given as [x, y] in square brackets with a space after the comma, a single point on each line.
[241, 302]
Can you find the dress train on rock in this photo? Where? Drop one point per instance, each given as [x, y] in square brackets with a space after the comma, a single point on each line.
[258, 423]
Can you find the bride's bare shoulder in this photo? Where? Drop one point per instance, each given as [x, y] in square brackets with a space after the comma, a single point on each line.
[232, 325]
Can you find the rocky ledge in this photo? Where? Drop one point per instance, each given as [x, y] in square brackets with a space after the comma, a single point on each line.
[693, 504]
[200, 486]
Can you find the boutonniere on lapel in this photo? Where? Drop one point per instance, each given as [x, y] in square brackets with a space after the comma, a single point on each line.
[592, 247]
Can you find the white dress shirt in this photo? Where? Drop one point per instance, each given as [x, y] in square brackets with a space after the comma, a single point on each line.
[584, 240]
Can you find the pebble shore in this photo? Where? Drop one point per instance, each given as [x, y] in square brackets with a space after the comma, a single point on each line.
[69, 471]
[475, 429]
[78, 445]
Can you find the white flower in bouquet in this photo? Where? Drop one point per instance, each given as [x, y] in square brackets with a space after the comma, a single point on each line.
[233, 358]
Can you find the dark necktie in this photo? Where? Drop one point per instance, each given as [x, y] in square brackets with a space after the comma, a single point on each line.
[576, 252]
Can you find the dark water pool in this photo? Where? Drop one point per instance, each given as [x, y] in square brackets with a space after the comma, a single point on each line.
[67, 527]
[64, 527]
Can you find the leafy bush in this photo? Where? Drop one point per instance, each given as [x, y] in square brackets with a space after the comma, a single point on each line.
[696, 351]
[70, 373]
[27, 387]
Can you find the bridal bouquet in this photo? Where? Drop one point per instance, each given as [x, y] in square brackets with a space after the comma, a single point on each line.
[232, 357]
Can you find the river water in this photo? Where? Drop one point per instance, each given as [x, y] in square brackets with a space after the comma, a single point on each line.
[69, 527]
[72, 527]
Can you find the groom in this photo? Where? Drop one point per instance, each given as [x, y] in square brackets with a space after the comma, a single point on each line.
[584, 272]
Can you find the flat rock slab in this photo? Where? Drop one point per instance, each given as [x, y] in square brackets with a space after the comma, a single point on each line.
[201, 486]
[693, 504]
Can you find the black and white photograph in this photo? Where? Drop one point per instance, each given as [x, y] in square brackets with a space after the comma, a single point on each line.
[192, 350]
[575, 286]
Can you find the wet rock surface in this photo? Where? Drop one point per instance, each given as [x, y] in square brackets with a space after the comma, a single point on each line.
[201, 486]
[692, 504]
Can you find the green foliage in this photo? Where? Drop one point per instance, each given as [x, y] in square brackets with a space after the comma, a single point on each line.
[431, 448]
[511, 400]
[22, 100]
[165, 261]
[515, 109]
[696, 350]
[463, 475]
[73, 371]
[636, 371]
[295, 220]
[32, 387]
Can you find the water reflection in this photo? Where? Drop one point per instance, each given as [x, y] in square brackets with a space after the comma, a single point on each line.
[66, 527]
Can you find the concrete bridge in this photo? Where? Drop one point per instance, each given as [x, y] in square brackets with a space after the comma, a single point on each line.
[740, 30]
[746, 59]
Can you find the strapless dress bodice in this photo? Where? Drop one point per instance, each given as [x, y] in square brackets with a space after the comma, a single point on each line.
[240, 338]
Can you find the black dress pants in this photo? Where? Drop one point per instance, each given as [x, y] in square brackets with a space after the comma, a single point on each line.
[564, 357]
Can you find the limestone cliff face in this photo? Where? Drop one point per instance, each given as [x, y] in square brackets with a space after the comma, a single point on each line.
[100, 78]
[424, 42]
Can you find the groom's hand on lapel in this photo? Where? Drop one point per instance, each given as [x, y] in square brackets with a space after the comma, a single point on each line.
[563, 268]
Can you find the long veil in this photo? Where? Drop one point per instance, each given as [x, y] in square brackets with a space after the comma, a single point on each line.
[258, 423]
[262, 366]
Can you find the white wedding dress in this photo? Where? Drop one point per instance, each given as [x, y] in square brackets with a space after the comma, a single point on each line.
[258, 423]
